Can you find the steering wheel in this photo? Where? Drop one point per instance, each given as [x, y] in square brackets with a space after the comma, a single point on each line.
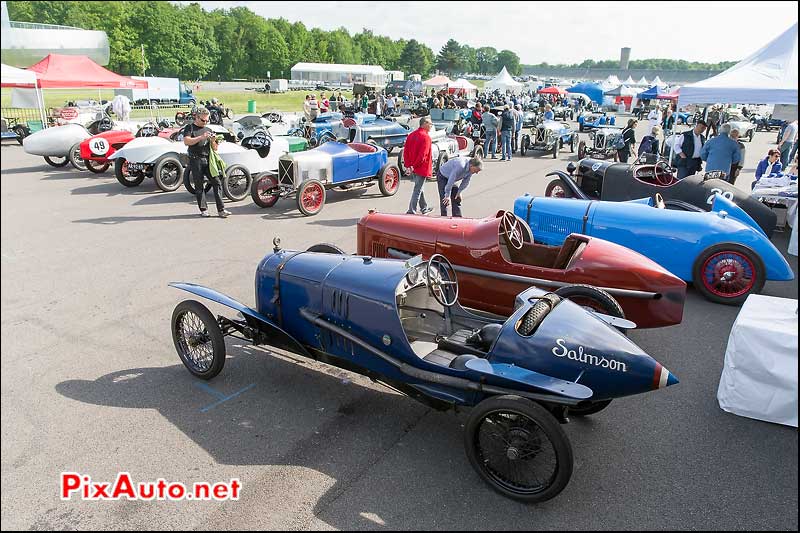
[274, 117]
[148, 130]
[659, 201]
[438, 287]
[511, 230]
[663, 173]
[105, 124]
[258, 139]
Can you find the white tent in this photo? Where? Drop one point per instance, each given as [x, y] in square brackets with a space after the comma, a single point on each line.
[502, 82]
[769, 76]
[437, 81]
[643, 82]
[657, 81]
[629, 81]
[462, 85]
[20, 78]
[611, 81]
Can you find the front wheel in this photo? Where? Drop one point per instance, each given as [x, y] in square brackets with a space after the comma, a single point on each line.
[125, 177]
[588, 408]
[236, 183]
[96, 167]
[728, 273]
[581, 150]
[75, 157]
[525, 142]
[311, 197]
[557, 189]
[198, 339]
[518, 448]
[555, 150]
[56, 160]
[389, 179]
[264, 191]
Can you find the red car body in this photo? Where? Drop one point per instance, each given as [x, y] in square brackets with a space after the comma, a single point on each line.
[113, 140]
[491, 274]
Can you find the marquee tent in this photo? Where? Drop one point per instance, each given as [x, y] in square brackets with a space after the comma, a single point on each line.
[629, 81]
[551, 90]
[20, 78]
[643, 82]
[461, 85]
[590, 89]
[69, 72]
[672, 95]
[503, 82]
[768, 76]
[437, 81]
[622, 90]
[657, 81]
[611, 81]
[650, 93]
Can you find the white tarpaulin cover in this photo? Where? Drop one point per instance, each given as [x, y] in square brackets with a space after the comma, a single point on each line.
[759, 379]
[503, 81]
[769, 76]
[17, 77]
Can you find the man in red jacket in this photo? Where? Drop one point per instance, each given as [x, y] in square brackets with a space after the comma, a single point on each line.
[417, 159]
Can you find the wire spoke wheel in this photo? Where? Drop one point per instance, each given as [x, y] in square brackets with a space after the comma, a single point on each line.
[195, 342]
[311, 197]
[518, 448]
[198, 339]
[728, 274]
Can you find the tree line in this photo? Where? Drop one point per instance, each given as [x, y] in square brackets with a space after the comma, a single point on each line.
[644, 64]
[186, 42]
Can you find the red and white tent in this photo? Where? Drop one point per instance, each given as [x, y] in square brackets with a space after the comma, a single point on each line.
[72, 72]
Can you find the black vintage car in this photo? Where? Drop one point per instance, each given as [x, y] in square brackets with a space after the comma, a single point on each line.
[593, 179]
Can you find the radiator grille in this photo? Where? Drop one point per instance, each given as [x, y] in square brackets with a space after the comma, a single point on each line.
[378, 249]
[286, 172]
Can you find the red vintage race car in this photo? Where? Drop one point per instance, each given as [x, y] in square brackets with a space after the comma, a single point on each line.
[96, 150]
[497, 257]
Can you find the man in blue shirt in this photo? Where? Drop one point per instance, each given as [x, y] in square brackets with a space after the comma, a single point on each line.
[721, 152]
[548, 112]
[457, 169]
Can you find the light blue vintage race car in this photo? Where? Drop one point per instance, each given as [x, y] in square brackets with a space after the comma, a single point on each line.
[360, 128]
[591, 120]
[724, 252]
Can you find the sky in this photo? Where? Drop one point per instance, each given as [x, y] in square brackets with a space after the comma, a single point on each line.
[555, 32]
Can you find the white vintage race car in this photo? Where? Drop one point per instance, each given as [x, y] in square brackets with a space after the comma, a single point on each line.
[61, 144]
[167, 162]
[746, 129]
[443, 148]
[247, 125]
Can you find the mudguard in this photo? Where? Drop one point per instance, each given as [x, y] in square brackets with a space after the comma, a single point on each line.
[277, 336]
[721, 203]
[515, 375]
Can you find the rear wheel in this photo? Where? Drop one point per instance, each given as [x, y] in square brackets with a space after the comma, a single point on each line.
[264, 191]
[441, 160]
[588, 408]
[403, 172]
[198, 339]
[557, 189]
[75, 157]
[524, 144]
[389, 179]
[728, 273]
[167, 173]
[236, 183]
[125, 177]
[573, 143]
[518, 448]
[311, 197]
[56, 161]
[581, 150]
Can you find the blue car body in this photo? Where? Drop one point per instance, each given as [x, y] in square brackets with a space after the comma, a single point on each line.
[674, 239]
[361, 127]
[595, 120]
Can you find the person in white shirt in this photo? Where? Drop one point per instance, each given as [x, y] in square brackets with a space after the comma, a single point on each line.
[654, 118]
[687, 150]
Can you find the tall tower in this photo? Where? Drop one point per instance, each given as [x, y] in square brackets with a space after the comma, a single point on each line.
[624, 58]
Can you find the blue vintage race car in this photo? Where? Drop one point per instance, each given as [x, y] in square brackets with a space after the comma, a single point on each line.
[361, 128]
[591, 120]
[400, 323]
[307, 175]
[724, 252]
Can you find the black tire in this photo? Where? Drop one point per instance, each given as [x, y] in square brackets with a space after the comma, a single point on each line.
[311, 197]
[188, 181]
[53, 161]
[441, 160]
[121, 172]
[97, 168]
[168, 173]
[237, 182]
[403, 173]
[558, 185]
[193, 325]
[573, 143]
[75, 158]
[477, 152]
[260, 187]
[326, 248]
[742, 254]
[21, 132]
[750, 136]
[521, 422]
[581, 150]
[555, 149]
[595, 297]
[524, 143]
[389, 179]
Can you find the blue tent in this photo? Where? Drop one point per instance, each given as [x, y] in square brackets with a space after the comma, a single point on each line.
[590, 89]
[650, 93]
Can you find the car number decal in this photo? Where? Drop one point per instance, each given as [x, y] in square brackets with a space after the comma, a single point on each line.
[99, 146]
[726, 194]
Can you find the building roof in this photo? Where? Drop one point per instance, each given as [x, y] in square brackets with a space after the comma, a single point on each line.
[338, 67]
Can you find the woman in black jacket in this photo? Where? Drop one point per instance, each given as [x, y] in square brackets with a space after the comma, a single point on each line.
[629, 138]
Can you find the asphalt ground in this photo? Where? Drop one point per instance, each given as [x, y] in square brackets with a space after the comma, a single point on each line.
[91, 383]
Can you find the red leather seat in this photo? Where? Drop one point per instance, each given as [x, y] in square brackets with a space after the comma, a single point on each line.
[363, 148]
